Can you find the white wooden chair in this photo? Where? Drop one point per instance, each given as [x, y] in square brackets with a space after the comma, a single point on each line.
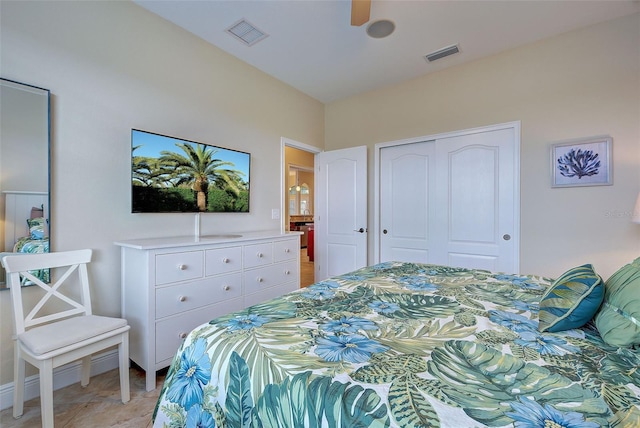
[48, 339]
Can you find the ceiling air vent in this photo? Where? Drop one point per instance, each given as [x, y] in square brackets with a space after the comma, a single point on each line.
[246, 32]
[449, 50]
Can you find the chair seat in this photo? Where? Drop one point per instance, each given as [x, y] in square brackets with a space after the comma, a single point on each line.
[49, 337]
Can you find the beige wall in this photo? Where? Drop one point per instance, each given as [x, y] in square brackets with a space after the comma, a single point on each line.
[112, 66]
[580, 84]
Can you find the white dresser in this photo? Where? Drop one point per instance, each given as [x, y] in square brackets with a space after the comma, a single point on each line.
[172, 285]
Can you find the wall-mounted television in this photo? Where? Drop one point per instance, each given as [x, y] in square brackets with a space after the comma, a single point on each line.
[171, 174]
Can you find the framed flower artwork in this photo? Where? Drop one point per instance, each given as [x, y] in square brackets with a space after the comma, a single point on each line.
[584, 162]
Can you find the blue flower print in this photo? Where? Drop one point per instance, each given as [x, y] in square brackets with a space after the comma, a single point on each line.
[384, 307]
[317, 293]
[529, 414]
[326, 285]
[513, 322]
[382, 266]
[193, 372]
[545, 344]
[354, 277]
[199, 418]
[246, 322]
[417, 283]
[349, 325]
[532, 307]
[351, 348]
[520, 281]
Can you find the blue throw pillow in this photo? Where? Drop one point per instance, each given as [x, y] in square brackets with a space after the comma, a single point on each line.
[572, 300]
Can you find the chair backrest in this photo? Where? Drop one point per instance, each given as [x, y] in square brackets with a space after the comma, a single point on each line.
[21, 267]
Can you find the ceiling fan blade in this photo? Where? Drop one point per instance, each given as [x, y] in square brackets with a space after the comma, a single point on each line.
[360, 10]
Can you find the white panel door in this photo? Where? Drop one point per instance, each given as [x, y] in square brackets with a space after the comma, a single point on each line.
[477, 200]
[407, 178]
[341, 211]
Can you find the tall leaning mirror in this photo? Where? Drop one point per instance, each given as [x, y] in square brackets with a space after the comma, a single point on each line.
[24, 171]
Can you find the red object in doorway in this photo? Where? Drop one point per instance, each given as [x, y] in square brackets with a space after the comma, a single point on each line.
[310, 245]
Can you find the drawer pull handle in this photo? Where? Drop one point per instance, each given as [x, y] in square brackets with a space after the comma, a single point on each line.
[182, 298]
[259, 255]
[225, 260]
[182, 267]
[259, 279]
[182, 335]
[226, 288]
[287, 272]
[286, 250]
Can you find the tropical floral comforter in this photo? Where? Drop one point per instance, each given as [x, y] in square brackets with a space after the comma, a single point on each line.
[400, 345]
[29, 245]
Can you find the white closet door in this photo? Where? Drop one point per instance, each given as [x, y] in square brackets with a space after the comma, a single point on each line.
[407, 179]
[452, 201]
[477, 200]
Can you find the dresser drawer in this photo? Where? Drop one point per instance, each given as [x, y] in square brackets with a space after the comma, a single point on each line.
[285, 250]
[258, 255]
[176, 267]
[184, 297]
[223, 260]
[170, 332]
[269, 276]
[269, 293]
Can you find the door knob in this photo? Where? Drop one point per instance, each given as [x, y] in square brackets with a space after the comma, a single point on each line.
[384, 231]
[506, 236]
[361, 230]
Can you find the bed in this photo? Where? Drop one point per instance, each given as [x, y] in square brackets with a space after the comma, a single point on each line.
[26, 225]
[403, 345]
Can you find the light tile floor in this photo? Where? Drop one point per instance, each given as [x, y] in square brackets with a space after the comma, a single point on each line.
[97, 405]
[306, 269]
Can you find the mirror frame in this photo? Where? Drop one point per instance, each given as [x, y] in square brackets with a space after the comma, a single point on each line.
[46, 94]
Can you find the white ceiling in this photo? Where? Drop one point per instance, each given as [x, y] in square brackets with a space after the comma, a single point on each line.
[312, 46]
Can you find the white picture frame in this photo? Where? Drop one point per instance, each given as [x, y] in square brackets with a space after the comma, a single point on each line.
[582, 162]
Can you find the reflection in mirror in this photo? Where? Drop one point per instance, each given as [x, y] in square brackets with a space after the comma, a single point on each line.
[300, 197]
[24, 170]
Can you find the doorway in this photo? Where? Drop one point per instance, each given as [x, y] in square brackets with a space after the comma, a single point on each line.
[298, 202]
[339, 208]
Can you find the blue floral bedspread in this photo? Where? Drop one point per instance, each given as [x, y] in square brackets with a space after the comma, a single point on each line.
[400, 345]
[29, 245]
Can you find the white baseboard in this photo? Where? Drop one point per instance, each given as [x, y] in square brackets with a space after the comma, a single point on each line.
[62, 376]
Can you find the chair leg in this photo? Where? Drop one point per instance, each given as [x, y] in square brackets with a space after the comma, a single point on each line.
[18, 382]
[46, 393]
[123, 352]
[85, 371]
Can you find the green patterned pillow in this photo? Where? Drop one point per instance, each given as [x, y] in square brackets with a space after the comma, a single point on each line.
[618, 321]
[572, 300]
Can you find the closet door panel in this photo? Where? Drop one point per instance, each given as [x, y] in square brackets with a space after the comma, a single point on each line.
[477, 200]
[407, 179]
[452, 201]
[473, 196]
